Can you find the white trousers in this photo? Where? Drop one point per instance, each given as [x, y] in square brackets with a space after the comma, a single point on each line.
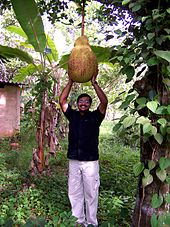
[83, 190]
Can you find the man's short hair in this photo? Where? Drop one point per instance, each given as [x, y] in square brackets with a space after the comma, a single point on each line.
[84, 95]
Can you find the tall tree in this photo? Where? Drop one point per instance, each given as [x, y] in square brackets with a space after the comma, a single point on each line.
[146, 47]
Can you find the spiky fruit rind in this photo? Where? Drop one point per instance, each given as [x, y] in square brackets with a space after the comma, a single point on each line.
[82, 64]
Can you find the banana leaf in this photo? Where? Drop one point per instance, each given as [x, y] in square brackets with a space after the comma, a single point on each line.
[27, 14]
[52, 56]
[9, 52]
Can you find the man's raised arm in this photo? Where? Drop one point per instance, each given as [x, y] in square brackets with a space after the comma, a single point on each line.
[64, 95]
[101, 95]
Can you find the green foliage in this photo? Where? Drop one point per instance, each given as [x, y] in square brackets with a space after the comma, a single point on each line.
[42, 200]
[9, 52]
[159, 221]
[28, 16]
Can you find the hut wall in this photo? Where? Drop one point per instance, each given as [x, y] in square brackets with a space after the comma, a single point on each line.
[9, 110]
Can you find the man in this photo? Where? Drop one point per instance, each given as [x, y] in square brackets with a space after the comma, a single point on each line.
[83, 183]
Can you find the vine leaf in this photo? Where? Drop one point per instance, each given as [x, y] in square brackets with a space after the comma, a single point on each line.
[151, 164]
[163, 130]
[142, 120]
[168, 179]
[168, 109]
[162, 121]
[163, 54]
[138, 168]
[161, 174]
[152, 105]
[167, 219]
[128, 121]
[167, 198]
[146, 172]
[159, 138]
[147, 180]
[125, 2]
[164, 163]
[147, 128]
[154, 220]
[156, 201]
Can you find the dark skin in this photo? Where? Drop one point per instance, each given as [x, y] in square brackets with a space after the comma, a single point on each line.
[83, 103]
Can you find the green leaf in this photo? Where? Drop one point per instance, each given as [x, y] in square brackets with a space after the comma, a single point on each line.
[152, 105]
[166, 81]
[168, 10]
[161, 110]
[167, 219]
[161, 174]
[152, 61]
[138, 168]
[161, 220]
[162, 121]
[141, 101]
[30, 20]
[150, 35]
[128, 121]
[167, 198]
[154, 130]
[129, 98]
[136, 8]
[129, 71]
[117, 127]
[163, 130]
[9, 52]
[125, 2]
[156, 201]
[24, 72]
[103, 54]
[17, 30]
[63, 63]
[142, 120]
[53, 56]
[168, 109]
[124, 105]
[168, 130]
[151, 164]
[168, 179]
[147, 180]
[154, 220]
[163, 54]
[147, 128]
[146, 172]
[164, 163]
[159, 138]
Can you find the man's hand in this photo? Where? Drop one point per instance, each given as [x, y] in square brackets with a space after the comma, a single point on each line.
[70, 81]
[93, 79]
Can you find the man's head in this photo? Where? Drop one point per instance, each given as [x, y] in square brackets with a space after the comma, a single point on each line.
[84, 102]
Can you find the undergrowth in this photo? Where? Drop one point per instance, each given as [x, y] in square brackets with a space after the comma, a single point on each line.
[42, 200]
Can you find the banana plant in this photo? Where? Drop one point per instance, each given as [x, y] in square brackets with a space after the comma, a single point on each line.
[32, 30]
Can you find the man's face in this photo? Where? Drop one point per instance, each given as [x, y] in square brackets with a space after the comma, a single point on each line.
[84, 104]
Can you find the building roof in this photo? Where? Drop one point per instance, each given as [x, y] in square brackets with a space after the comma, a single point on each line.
[6, 79]
[6, 75]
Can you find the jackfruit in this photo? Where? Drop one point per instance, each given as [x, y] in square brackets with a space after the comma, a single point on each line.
[82, 64]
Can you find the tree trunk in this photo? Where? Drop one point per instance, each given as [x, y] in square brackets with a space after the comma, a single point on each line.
[143, 211]
[151, 150]
[40, 137]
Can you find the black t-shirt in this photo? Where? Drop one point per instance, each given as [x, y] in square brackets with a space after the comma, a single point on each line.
[83, 134]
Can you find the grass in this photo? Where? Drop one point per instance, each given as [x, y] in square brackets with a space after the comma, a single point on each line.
[42, 200]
